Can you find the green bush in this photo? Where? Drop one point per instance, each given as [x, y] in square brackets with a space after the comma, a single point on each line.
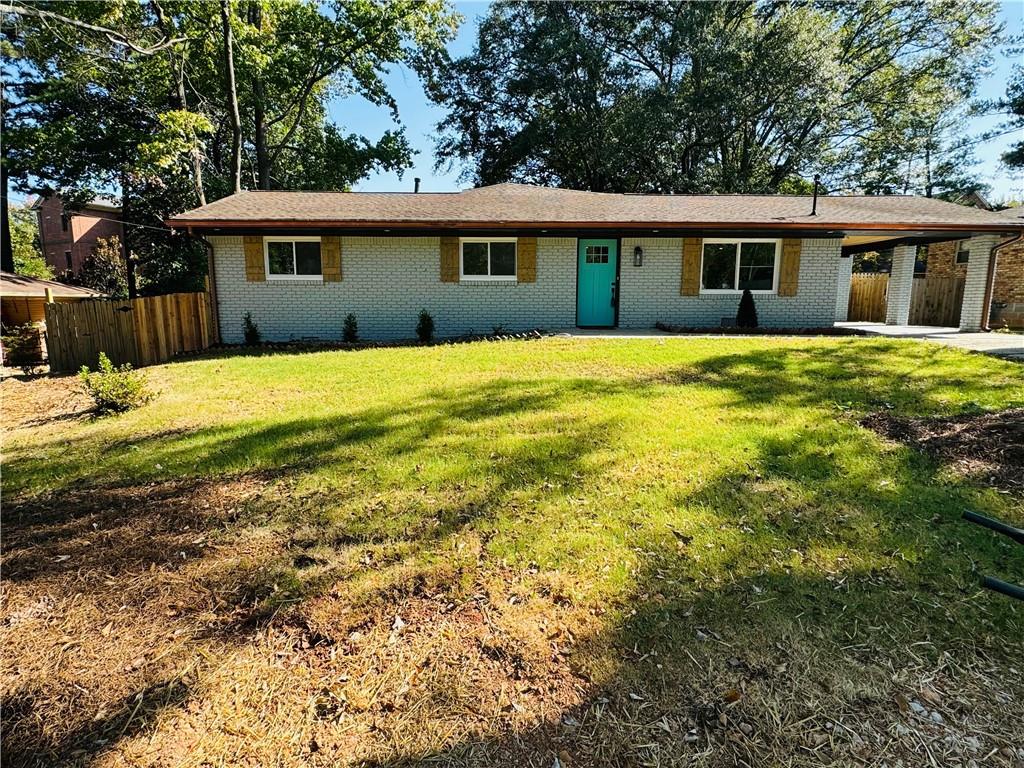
[251, 330]
[115, 389]
[21, 344]
[350, 330]
[425, 327]
[746, 315]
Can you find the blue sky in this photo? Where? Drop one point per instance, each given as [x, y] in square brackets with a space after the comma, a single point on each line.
[419, 118]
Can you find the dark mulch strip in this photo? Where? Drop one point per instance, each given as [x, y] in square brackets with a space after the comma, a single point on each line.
[987, 446]
[730, 331]
[323, 345]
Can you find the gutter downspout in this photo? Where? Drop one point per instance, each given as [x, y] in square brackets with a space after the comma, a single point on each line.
[990, 278]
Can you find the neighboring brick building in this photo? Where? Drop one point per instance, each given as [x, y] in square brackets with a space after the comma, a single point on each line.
[67, 237]
[950, 259]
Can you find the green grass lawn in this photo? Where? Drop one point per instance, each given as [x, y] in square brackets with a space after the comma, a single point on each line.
[645, 551]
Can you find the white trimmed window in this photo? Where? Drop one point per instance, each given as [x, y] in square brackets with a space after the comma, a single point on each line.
[293, 258]
[487, 258]
[963, 252]
[732, 265]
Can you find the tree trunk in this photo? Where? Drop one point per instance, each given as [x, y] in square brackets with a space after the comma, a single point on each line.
[928, 186]
[7, 255]
[197, 158]
[260, 135]
[259, 110]
[126, 245]
[236, 120]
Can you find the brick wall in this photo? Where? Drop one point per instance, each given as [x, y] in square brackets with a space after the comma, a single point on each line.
[77, 233]
[844, 279]
[942, 260]
[1008, 287]
[651, 293]
[388, 280]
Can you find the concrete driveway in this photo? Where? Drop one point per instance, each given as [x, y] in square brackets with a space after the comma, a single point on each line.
[1008, 345]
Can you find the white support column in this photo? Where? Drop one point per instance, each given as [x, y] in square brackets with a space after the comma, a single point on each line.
[901, 283]
[843, 289]
[973, 311]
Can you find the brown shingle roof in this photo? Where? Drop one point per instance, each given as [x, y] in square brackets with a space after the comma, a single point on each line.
[31, 287]
[1013, 214]
[509, 205]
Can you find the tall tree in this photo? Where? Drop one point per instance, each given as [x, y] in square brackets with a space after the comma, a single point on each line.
[232, 97]
[744, 96]
[137, 99]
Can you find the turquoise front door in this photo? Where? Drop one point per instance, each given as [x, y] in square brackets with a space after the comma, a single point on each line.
[597, 266]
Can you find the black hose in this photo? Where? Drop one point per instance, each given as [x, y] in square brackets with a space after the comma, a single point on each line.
[1016, 534]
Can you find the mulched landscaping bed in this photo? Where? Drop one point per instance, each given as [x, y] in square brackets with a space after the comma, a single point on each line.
[730, 331]
[987, 446]
[322, 345]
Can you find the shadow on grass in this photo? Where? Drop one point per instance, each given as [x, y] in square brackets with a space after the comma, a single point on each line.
[95, 538]
[805, 599]
[437, 428]
[796, 638]
[858, 374]
[26, 742]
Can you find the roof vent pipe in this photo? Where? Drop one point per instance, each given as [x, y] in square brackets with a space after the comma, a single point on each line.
[416, 182]
[814, 200]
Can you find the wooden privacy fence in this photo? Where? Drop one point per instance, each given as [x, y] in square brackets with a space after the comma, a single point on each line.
[141, 331]
[933, 300]
[936, 301]
[867, 298]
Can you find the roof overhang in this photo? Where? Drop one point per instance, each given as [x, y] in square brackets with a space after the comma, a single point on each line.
[860, 242]
[856, 237]
[900, 228]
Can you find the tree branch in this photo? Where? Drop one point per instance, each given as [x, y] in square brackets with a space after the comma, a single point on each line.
[117, 38]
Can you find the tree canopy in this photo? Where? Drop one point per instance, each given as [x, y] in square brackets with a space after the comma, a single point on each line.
[729, 97]
[27, 258]
[1013, 106]
[138, 98]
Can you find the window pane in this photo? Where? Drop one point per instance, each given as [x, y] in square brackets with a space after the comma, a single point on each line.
[307, 258]
[597, 254]
[757, 266]
[474, 258]
[503, 259]
[281, 258]
[719, 266]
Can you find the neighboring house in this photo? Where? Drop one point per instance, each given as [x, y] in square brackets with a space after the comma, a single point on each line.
[950, 259]
[23, 300]
[67, 236]
[521, 257]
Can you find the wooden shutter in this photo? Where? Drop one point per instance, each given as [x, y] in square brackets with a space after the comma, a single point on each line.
[449, 259]
[330, 259]
[690, 285]
[255, 269]
[789, 271]
[526, 260]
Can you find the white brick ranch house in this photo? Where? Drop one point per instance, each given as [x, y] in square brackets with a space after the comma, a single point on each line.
[521, 257]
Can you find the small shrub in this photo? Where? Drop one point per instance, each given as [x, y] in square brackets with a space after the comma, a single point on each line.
[250, 330]
[498, 330]
[425, 327]
[746, 315]
[115, 389]
[350, 330]
[21, 345]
